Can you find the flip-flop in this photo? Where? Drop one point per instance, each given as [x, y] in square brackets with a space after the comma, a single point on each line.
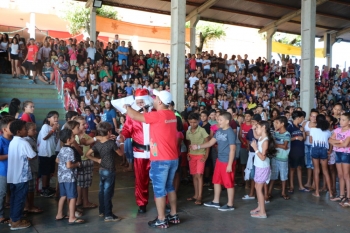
[64, 217]
[191, 199]
[285, 197]
[291, 191]
[305, 190]
[315, 195]
[91, 206]
[5, 221]
[198, 202]
[76, 221]
[254, 212]
[258, 216]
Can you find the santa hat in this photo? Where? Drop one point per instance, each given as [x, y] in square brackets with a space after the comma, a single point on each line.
[141, 94]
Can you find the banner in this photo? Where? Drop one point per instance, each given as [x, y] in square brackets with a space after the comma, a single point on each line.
[293, 50]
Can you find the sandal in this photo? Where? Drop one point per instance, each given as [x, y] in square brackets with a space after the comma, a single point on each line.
[90, 206]
[64, 217]
[338, 198]
[344, 202]
[5, 221]
[198, 202]
[191, 199]
[35, 211]
[291, 191]
[285, 197]
[76, 221]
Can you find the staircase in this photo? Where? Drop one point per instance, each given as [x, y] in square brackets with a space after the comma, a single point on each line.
[44, 97]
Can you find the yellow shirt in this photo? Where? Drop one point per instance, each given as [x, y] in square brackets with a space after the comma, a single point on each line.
[251, 106]
[85, 148]
[197, 137]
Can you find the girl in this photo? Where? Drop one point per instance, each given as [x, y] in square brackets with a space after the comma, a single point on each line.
[340, 141]
[331, 157]
[74, 103]
[28, 110]
[264, 150]
[92, 75]
[14, 58]
[320, 150]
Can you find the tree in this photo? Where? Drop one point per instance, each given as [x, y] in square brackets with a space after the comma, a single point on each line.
[78, 15]
[284, 38]
[208, 31]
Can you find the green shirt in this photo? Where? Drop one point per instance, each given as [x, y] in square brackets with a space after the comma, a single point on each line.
[196, 138]
[104, 74]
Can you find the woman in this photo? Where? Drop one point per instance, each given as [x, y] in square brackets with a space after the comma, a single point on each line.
[28, 110]
[15, 57]
[4, 44]
[72, 73]
[251, 103]
[109, 115]
[82, 74]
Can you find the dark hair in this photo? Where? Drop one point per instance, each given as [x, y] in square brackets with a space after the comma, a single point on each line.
[16, 126]
[179, 125]
[103, 128]
[271, 149]
[30, 125]
[71, 114]
[282, 119]
[49, 115]
[339, 104]
[194, 116]
[71, 124]
[65, 135]
[321, 122]
[297, 114]
[347, 115]
[314, 110]
[5, 121]
[226, 115]
[25, 104]
[205, 112]
[249, 112]
[14, 106]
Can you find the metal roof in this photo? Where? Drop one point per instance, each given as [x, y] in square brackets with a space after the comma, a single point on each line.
[332, 15]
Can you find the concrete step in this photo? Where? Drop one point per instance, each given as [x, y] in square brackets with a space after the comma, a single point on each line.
[14, 88]
[26, 95]
[34, 100]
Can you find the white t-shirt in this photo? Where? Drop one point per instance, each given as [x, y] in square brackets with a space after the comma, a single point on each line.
[192, 80]
[46, 148]
[91, 53]
[199, 60]
[231, 66]
[82, 90]
[206, 66]
[14, 48]
[18, 164]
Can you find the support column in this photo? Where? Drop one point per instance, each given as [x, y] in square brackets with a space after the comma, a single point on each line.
[193, 23]
[92, 31]
[329, 40]
[32, 25]
[308, 25]
[269, 35]
[177, 64]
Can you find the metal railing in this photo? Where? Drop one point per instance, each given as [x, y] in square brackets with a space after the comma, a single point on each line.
[64, 95]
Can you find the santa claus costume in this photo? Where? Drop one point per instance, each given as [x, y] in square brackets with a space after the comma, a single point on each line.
[139, 132]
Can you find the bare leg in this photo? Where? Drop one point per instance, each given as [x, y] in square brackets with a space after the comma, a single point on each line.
[291, 179]
[172, 201]
[79, 200]
[346, 178]
[60, 207]
[217, 191]
[231, 196]
[316, 163]
[261, 199]
[160, 204]
[72, 209]
[341, 179]
[252, 185]
[327, 180]
[195, 185]
[333, 177]
[300, 181]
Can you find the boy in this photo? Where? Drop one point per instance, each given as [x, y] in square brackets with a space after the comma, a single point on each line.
[66, 174]
[279, 164]
[82, 89]
[224, 171]
[107, 149]
[91, 121]
[18, 173]
[5, 140]
[208, 163]
[197, 135]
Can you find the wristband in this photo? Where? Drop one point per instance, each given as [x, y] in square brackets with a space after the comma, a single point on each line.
[95, 139]
[257, 151]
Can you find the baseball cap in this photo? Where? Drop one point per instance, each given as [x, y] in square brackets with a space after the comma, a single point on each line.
[164, 96]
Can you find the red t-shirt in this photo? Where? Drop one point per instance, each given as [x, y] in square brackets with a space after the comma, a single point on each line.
[26, 117]
[32, 50]
[192, 64]
[163, 133]
[245, 129]
[70, 86]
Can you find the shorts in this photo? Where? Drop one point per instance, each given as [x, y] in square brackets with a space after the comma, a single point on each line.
[252, 173]
[342, 157]
[279, 167]
[47, 165]
[14, 56]
[295, 162]
[31, 183]
[196, 165]
[331, 160]
[162, 174]
[29, 65]
[85, 174]
[184, 161]
[243, 155]
[262, 175]
[220, 176]
[319, 152]
[68, 189]
[308, 159]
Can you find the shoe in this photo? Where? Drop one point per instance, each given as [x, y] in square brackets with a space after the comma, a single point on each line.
[174, 219]
[34, 81]
[156, 223]
[25, 77]
[31, 82]
[19, 225]
[47, 193]
[226, 208]
[212, 204]
[142, 209]
[112, 218]
[247, 197]
[14, 76]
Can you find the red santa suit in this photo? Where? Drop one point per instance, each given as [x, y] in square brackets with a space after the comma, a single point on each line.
[139, 132]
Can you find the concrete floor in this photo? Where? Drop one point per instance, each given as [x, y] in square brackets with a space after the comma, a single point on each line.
[302, 213]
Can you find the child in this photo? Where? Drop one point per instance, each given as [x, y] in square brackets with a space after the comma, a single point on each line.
[91, 122]
[34, 167]
[82, 89]
[19, 173]
[279, 164]
[73, 102]
[107, 149]
[67, 177]
[46, 151]
[197, 135]
[340, 141]
[320, 150]
[5, 140]
[264, 149]
[225, 165]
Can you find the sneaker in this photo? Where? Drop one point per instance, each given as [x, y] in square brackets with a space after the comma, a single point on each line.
[25, 77]
[226, 208]
[47, 193]
[19, 225]
[212, 204]
[159, 223]
[31, 82]
[247, 197]
[174, 219]
[112, 218]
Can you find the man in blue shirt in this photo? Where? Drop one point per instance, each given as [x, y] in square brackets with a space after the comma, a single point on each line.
[123, 52]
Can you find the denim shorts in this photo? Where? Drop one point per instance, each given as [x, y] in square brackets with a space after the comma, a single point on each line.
[162, 174]
[279, 168]
[342, 157]
[308, 159]
[69, 190]
[319, 152]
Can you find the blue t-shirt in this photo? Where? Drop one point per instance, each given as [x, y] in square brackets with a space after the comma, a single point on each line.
[296, 146]
[225, 138]
[4, 148]
[109, 115]
[129, 90]
[90, 121]
[124, 50]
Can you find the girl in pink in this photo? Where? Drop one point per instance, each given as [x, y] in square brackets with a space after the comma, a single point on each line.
[340, 141]
[73, 55]
[211, 87]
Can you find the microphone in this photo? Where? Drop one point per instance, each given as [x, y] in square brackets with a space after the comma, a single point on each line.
[145, 107]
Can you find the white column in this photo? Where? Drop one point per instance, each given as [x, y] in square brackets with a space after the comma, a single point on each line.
[92, 31]
[31, 28]
[329, 41]
[308, 25]
[177, 59]
[269, 35]
[193, 23]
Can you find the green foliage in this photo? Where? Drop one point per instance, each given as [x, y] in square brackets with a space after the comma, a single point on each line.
[78, 15]
[209, 31]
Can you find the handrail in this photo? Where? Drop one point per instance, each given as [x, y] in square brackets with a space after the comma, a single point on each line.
[64, 95]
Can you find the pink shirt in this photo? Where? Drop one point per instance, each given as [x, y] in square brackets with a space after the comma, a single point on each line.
[72, 54]
[339, 135]
[211, 88]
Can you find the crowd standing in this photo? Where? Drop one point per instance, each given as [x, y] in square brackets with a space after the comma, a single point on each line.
[240, 116]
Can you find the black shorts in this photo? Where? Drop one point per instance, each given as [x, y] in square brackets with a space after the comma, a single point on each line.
[14, 56]
[295, 162]
[47, 165]
[29, 65]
